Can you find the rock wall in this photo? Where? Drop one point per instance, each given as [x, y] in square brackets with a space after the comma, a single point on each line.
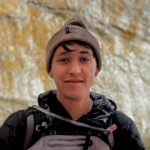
[123, 29]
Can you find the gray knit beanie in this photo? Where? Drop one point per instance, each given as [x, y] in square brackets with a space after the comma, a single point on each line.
[73, 30]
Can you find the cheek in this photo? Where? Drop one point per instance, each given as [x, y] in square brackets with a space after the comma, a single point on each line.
[94, 70]
[91, 73]
[56, 73]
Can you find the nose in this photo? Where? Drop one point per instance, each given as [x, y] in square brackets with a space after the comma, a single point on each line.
[74, 68]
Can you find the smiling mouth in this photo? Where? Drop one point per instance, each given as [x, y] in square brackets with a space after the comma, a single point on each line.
[74, 81]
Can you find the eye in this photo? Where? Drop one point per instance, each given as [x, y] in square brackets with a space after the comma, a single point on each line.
[64, 60]
[85, 59]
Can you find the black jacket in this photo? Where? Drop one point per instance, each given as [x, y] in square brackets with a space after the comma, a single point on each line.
[126, 137]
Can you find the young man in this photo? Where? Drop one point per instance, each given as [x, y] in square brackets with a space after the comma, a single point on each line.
[72, 117]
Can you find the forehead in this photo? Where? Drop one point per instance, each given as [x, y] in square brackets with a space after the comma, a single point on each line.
[74, 46]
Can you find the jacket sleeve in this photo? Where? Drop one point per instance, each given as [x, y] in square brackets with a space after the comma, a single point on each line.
[127, 136]
[12, 132]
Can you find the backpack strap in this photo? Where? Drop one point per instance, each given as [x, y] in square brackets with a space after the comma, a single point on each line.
[29, 131]
[112, 128]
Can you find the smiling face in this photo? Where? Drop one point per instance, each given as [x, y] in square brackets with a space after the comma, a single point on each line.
[73, 70]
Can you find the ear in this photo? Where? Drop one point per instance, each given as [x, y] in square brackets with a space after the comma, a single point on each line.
[96, 72]
[51, 74]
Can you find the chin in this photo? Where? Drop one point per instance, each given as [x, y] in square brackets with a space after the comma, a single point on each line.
[77, 95]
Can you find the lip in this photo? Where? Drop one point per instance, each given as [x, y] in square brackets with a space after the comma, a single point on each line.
[74, 81]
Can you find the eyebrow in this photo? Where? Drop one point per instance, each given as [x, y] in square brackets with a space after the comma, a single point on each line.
[86, 52]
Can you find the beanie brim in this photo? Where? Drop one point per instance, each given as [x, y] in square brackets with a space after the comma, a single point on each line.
[75, 34]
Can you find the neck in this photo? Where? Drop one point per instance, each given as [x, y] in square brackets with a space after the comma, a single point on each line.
[76, 108]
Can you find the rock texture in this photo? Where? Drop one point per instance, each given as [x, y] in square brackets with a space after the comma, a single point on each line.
[123, 29]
